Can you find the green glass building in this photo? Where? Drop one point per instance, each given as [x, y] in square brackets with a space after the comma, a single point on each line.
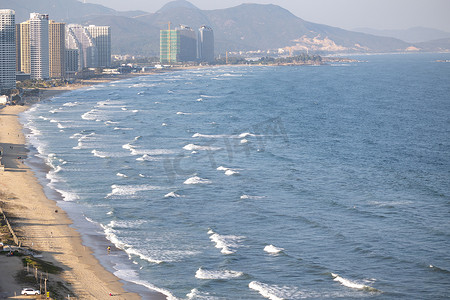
[169, 47]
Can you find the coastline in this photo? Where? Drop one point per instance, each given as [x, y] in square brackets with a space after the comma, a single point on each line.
[42, 225]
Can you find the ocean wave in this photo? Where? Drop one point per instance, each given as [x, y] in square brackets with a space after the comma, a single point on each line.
[128, 190]
[252, 197]
[60, 126]
[123, 128]
[133, 251]
[121, 175]
[127, 146]
[183, 113]
[200, 295]
[171, 195]
[244, 141]
[227, 243]
[137, 151]
[70, 104]
[191, 147]
[99, 154]
[221, 274]
[228, 171]
[146, 157]
[267, 291]
[352, 284]
[197, 180]
[272, 249]
[68, 196]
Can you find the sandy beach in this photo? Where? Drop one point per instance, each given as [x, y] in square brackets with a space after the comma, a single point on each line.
[43, 226]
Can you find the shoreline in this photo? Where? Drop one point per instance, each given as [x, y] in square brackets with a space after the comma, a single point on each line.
[42, 225]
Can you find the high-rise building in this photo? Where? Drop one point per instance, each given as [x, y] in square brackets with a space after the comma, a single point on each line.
[78, 37]
[71, 60]
[169, 46]
[24, 58]
[39, 46]
[57, 41]
[17, 47]
[7, 49]
[188, 43]
[205, 46]
[179, 45]
[101, 36]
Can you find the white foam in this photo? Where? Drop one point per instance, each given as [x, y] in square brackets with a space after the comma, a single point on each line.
[244, 141]
[121, 175]
[60, 126]
[351, 284]
[127, 146]
[227, 243]
[76, 135]
[111, 123]
[99, 154]
[252, 197]
[192, 147]
[68, 196]
[132, 251]
[124, 108]
[70, 104]
[53, 121]
[128, 190]
[220, 274]
[246, 134]
[146, 157]
[123, 128]
[141, 175]
[272, 249]
[231, 172]
[171, 195]
[197, 180]
[183, 113]
[267, 291]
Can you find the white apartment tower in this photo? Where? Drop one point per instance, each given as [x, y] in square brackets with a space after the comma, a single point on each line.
[7, 49]
[78, 37]
[39, 46]
[205, 44]
[101, 36]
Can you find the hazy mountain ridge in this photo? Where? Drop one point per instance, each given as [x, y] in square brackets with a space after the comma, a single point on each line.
[411, 35]
[243, 27]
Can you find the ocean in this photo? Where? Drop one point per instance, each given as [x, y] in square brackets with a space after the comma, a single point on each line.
[254, 182]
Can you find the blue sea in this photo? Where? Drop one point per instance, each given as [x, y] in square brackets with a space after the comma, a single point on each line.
[260, 182]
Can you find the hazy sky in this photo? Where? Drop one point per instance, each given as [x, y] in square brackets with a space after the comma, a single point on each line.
[348, 14]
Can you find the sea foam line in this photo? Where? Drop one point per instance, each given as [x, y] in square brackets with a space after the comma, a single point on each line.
[352, 284]
[220, 274]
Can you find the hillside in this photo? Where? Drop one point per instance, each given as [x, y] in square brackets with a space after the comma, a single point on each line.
[244, 27]
[411, 35]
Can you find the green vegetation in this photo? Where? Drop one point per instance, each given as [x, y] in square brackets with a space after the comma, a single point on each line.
[41, 265]
[40, 84]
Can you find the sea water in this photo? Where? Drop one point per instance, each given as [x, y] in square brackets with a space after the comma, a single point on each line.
[253, 182]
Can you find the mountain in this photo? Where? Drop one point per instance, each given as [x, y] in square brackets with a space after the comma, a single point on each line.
[411, 35]
[245, 27]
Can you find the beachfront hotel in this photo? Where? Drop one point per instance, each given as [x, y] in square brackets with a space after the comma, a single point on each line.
[7, 49]
[57, 47]
[101, 35]
[205, 46]
[39, 46]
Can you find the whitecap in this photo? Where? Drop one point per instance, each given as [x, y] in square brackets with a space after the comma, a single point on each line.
[244, 141]
[267, 291]
[121, 175]
[191, 147]
[171, 195]
[252, 197]
[220, 274]
[227, 243]
[231, 172]
[183, 113]
[352, 284]
[99, 153]
[272, 249]
[70, 104]
[197, 180]
[129, 190]
[123, 128]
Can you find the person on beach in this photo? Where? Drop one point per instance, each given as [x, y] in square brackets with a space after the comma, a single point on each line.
[108, 249]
